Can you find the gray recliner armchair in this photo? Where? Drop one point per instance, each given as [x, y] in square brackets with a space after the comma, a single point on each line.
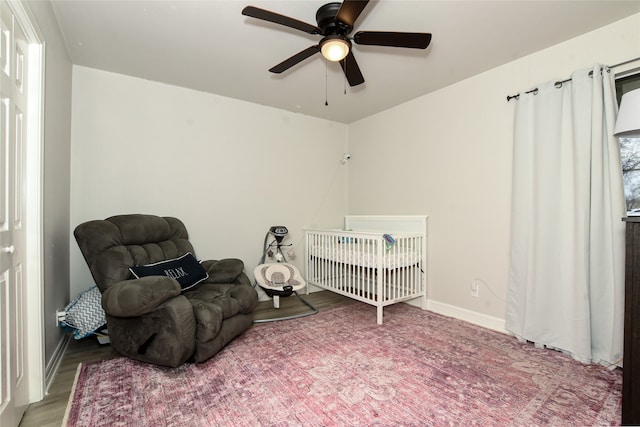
[140, 263]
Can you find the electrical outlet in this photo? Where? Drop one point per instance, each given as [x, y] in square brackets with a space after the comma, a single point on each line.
[60, 316]
[475, 288]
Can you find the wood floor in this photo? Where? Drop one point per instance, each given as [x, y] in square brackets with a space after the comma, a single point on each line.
[50, 411]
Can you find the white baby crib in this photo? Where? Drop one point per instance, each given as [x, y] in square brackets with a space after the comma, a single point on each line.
[379, 260]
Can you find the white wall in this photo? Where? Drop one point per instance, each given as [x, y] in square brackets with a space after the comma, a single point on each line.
[448, 155]
[56, 164]
[229, 169]
[140, 146]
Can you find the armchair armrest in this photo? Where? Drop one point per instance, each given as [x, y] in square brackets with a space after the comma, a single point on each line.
[133, 298]
[224, 270]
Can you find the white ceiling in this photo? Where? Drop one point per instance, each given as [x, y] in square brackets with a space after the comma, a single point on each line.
[208, 45]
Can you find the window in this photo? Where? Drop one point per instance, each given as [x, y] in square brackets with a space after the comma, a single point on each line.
[630, 151]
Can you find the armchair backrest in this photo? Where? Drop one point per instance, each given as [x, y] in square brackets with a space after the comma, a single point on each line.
[113, 245]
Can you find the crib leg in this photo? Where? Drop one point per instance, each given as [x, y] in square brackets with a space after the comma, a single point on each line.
[379, 315]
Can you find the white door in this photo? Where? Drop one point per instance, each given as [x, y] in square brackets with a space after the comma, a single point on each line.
[14, 388]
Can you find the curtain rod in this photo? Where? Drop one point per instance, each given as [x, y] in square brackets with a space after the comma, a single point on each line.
[559, 83]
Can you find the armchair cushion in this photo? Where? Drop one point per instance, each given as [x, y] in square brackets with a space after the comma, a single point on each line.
[224, 270]
[185, 269]
[137, 297]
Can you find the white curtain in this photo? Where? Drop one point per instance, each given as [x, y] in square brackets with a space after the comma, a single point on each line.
[566, 275]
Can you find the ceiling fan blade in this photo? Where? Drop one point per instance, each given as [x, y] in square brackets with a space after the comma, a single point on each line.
[351, 70]
[389, 38]
[350, 10]
[267, 15]
[295, 59]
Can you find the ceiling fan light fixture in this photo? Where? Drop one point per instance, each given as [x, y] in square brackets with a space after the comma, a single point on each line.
[335, 48]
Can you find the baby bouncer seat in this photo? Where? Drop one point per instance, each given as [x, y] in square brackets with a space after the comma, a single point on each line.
[280, 279]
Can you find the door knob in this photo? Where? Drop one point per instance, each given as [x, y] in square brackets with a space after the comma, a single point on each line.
[9, 249]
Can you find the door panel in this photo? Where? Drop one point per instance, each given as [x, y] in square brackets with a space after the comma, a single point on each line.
[13, 124]
[7, 411]
[6, 390]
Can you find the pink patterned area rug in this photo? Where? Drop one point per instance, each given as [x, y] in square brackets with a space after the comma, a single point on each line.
[339, 368]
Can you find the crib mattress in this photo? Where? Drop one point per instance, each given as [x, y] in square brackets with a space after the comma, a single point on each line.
[357, 255]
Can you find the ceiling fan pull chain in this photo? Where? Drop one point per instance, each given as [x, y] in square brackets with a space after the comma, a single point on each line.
[326, 91]
[344, 79]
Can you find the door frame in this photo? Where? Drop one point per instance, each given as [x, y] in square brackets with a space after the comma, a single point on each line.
[34, 304]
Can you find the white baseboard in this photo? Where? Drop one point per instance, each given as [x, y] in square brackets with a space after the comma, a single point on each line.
[483, 320]
[52, 367]
[490, 322]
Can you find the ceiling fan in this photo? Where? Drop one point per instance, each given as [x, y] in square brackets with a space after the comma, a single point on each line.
[335, 23]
